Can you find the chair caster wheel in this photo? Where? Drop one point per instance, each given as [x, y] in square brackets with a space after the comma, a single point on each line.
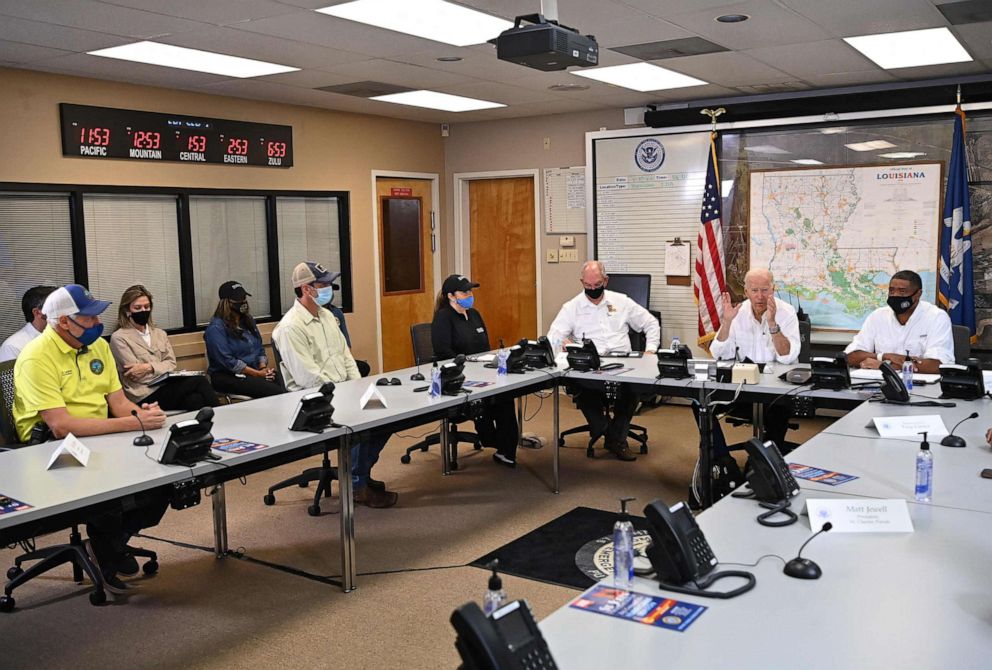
[6, 603]
[424, 448]
[98, 598]
[269, 499]
[303, 485]
[313, 510]
[590, 453]
[150, 568]
[405, 459]
[644, 448]
[14, 572]
[454, 466]
[561, 443]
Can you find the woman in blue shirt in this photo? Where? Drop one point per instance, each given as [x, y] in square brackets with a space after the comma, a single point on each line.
[236, 358]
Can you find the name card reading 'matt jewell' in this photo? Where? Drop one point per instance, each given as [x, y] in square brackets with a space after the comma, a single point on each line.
[860, 515]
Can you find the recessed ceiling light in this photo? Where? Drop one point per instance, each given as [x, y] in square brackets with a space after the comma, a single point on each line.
[435, 100]
[871, 145]
[431, 19]
[640, 77]
[166, 55]
[767, 149]
[807, 161]
[911, 48]
[732, 18]
[449, 59]
[568, 87]
[833, 131]
[903, 154]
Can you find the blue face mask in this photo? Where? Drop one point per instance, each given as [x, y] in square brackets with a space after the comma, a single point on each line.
[89, 335]
[325, 295]
[466, 303]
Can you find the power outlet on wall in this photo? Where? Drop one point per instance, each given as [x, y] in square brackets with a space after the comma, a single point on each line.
[568, 255]
[552, 256]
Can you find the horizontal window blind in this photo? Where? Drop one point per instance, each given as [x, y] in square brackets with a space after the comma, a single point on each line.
[134, 240]
[229, 243]
[35, 250]
[308, 231]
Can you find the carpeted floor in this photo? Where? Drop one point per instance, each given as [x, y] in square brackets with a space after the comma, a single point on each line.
[413, 562]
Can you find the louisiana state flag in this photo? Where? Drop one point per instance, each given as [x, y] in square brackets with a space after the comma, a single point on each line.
[955, 292]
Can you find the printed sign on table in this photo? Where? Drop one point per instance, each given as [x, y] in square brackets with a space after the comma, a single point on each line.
[657, 611]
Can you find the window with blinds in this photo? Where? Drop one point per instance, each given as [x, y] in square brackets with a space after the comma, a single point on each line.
[229, 243]
[308, 231]
[134, 240]
[35, 249]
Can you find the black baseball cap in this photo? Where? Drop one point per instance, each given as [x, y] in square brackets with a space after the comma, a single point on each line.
[457, 283]
[232, 290]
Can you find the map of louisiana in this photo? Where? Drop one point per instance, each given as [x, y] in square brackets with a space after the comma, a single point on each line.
[834, 236]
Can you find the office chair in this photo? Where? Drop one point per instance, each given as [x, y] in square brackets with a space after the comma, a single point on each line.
[423, 354]
[962, 344]
[323, 475]
[49, 557]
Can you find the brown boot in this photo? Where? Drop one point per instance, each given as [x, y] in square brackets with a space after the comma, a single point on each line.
[621, 451]
[370, 497]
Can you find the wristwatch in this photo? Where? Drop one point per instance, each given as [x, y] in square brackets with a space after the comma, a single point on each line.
[775, 331]
[879, 357]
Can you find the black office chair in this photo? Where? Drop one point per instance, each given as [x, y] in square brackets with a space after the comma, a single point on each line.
[323, 475]
[962, 344]
[49, 557]
[423, 354]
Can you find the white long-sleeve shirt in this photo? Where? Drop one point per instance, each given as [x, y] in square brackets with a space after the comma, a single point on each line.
[313, 349]
[607, 324]
[750, 338]
[13, 344]
[927, 334]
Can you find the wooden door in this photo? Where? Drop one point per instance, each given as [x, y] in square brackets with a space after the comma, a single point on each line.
[406, 264]
[501, 230]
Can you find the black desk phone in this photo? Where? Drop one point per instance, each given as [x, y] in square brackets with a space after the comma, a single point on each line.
[771, 482]
[508, 639]
[680, 553]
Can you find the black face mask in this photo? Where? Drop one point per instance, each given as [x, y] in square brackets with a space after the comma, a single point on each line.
[141, 318]
[240, 307]
[595, 293]
[900, 304]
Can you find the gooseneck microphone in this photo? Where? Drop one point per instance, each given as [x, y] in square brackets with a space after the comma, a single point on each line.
[953, 440]
[803, 568]
[142, 440]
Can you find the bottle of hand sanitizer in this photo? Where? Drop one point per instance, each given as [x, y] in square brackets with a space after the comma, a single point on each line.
[623, 549]
[495, 596]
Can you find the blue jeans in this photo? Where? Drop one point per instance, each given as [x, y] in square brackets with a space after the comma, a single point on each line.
[364, 456]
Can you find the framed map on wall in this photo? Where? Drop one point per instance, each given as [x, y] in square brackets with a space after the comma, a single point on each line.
[834, 236]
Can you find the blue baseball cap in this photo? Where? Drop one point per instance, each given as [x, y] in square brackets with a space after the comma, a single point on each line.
[73, 299]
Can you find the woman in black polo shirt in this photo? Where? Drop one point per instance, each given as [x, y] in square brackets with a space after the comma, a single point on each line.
[459, 329]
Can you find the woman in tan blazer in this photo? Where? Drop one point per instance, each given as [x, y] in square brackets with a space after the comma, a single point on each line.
[144, 354]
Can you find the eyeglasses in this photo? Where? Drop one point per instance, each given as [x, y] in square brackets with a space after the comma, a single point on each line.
[385, 381]
[599, 285]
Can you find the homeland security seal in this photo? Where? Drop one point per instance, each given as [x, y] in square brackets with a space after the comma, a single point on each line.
[649, 155]
[96, 366]
[595, 558]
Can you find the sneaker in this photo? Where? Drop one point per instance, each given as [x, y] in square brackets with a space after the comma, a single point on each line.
[376, 485]
[127, 565]
[621, 451]
[370, 497]
[110, 581]
[504, 460]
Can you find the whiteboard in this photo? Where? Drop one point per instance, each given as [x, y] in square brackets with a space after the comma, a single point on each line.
[565, 200]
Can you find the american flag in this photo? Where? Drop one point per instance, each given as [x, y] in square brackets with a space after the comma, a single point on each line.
[708, 282]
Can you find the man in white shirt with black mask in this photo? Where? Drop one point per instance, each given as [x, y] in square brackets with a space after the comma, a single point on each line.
[606, 318]
[908, 326]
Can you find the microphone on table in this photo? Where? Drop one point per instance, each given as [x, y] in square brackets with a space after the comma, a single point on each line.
[953, 440]
[803, 568]
[417, 376]
[142, 440]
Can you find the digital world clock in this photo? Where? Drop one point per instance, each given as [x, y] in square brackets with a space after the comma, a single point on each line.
[107, 133]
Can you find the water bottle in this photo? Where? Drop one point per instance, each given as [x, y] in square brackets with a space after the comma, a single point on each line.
[907, 372]
[435, 389]
[623, 549]
[676, 343]
[501, 355]
[924, 472]
[495, 596]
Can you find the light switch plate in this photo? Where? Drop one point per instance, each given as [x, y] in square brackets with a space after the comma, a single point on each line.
[566, 241]
[552, 255]
[568, 255]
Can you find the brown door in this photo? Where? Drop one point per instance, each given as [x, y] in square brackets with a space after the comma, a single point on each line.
[501, 229]
[406, 264]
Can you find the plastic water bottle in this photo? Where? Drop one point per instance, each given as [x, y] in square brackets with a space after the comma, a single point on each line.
[907, 372]
[676, 343]
[623, 549]
[924, 472]
[435, 389]
[501, 355]
[495, 596]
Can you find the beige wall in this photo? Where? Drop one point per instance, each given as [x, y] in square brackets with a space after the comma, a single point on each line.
[332, 151]
[520, 144]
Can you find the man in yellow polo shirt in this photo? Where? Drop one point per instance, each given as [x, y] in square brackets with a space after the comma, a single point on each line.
[66, 379]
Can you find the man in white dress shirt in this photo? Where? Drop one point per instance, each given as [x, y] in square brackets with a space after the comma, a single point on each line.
[765, 330]
[31, 303]
[606, 318]
[908, 326]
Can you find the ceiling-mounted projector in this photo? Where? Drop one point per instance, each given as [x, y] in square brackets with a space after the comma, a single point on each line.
[546, 45]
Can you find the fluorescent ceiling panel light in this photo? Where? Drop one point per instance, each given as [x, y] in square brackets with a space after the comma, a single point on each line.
[911, 48]
[903, 154]
[641, 77]
[833, 131]
[431, 19]
[435, 100]
[767, 149]
[807, 161]
[182, 58]
[871, 145]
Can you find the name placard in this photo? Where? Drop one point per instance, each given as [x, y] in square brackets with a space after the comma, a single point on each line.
[860, 515]
[910, 426]
[76, 450]
[371, 399]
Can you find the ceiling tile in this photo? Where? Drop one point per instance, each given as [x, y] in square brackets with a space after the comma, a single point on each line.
[666, 8]
[498, 92]
[933, 71]
[393, 72]
[18, 52]
[93, 15]
[876, 76]
[976, 39]
[636, 30]
[859, 17]
[59, 37]
[727, 69]
[307, 78]
[118, 70]
[813, 58]
[548, 107]
[770, 24]
[218, 12]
